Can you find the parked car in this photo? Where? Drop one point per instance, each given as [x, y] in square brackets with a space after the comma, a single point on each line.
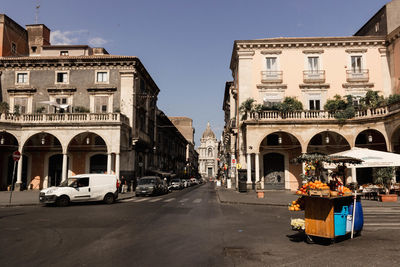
[194, 181]
[176, 183]
[185, 183]
[82, 188]
[149, 185]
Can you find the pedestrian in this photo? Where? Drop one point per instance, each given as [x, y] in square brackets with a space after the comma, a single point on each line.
[123, 185]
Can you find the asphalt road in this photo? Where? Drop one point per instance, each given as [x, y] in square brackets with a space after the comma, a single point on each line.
[184, 228]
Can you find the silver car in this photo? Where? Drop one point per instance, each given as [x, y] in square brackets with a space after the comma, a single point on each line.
[149, 185]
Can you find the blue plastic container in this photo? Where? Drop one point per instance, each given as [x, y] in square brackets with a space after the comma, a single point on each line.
[340, 218]
[359, 216]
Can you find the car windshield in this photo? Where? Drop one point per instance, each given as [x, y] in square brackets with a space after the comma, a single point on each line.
[69, 182]
[147, 181]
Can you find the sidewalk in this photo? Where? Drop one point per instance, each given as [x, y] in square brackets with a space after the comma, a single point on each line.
[278, 198]
[31, 197]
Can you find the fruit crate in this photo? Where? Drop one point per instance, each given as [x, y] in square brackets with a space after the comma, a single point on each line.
[319, 192]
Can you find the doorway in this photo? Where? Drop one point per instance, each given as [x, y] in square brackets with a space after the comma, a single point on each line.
[55, 170]
[98, 163]
[274, 171]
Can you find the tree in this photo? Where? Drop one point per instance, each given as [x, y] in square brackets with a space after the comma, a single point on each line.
[246, 107]
[290, 104]
[4, 107]
[383, 176]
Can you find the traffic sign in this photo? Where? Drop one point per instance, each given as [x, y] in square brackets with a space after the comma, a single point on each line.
[16, 155]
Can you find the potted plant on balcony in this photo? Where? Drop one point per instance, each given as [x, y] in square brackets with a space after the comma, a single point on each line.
[384, 177]
[4, 108]
[246, 107]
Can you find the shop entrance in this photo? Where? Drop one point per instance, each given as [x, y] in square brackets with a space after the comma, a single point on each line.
[55, 170]
[98, 163]
[274, 171]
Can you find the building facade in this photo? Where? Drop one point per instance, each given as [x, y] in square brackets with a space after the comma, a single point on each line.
[185, 127]
[311, 70]
[208, 154]
[73, 109]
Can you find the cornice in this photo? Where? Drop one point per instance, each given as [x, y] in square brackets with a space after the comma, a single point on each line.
[358, 85]
[272, 86]
[310, 42]
[314, 86]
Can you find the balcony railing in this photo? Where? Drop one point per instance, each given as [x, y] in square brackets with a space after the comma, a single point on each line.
[64, 118]
[271, 76]
[357, 75]
[314, 76]
[309, 115]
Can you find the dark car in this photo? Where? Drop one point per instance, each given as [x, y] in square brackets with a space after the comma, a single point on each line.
[149, 185]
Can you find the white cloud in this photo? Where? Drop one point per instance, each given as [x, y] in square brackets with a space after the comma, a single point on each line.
[97, 42]
[79, 37]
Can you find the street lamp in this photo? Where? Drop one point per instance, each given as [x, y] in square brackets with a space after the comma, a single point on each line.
[327, 139]
[370, 138]
[43, 140]
[87, 140]
[2, 140]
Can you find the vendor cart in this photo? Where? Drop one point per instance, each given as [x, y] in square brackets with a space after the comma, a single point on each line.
[331, 217]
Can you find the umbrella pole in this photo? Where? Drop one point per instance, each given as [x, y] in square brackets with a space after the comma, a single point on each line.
[354, 214]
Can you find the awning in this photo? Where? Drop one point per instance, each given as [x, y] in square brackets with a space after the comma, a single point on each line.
[371, 158]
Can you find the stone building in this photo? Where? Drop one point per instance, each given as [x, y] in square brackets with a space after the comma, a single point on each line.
[312, 70]
[208, 153]
[71, 109]
[185, 127]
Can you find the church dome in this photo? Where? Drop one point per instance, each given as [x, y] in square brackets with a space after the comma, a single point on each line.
[208, 133]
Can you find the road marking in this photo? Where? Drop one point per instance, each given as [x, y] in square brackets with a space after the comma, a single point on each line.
[140, 199]
[198, 200]
[183, 200]
[127, 200]
[155, 200]
[169, 200]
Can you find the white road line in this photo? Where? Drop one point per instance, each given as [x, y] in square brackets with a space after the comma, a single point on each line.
[155, 200]
[169, 199]
[198, 200]
[183, 200]
[381, 224]
[128, 200]
[140, 199]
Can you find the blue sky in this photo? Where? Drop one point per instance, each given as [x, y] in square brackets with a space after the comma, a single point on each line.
[186, 45]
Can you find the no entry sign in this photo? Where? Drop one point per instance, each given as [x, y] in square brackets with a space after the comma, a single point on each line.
[16, 155]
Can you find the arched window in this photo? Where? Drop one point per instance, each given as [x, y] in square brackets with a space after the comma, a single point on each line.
[210, 152]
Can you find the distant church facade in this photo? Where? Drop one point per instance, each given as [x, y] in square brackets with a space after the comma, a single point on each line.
[208, 152]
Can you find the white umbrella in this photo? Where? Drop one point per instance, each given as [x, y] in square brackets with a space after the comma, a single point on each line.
[371, 158]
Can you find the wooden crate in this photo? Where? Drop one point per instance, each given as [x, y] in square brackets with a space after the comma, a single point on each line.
[319, 192]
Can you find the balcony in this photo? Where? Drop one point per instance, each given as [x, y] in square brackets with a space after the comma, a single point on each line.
[271, 77]
[64, 118]
[314, 76]
[315, 115]
[357, 75]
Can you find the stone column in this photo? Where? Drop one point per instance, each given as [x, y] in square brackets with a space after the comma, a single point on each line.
[19, 174]
[117, 163]
[248, 163]
[353, 174]
[257, 165]
[64, 167]
[109, 163]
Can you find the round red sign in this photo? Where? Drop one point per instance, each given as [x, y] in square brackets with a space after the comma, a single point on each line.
[16, 155]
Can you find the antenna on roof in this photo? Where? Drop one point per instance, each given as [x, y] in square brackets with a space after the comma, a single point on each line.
[37, 12]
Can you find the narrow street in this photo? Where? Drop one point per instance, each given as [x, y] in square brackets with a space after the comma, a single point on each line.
[183, 228]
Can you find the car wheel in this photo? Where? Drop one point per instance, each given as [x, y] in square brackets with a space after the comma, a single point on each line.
[62, 201]
[109, 199]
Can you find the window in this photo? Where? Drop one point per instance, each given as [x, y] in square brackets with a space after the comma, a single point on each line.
[13, 48]
[315, 104]
[271, 100]
[142, 86]
[101, 104]
[63, 102]
[62, 77]
[83, 182]
[271, 64]
[313, 64]
[356, 64]
[22, 78]
[33, 49]
[102, 77]
[63, 53]
[20, 105]
[377, 27]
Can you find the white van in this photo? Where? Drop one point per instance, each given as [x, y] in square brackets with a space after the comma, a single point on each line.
[81, 188]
